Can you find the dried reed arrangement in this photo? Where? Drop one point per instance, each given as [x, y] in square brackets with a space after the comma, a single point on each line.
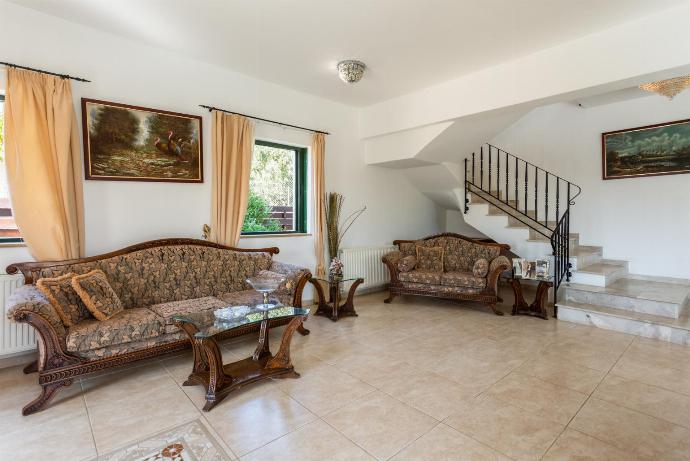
[335, 227]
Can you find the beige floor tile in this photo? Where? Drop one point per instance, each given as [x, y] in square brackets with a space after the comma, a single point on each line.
[127, 406]
[506, 428]
[582, 354]
[557, 403]
[650, 438]
[574, 445]
[62, 428]
[372, 368]
[654, 373]
[472, 373]
[444, 443]
[652, 400]
[561, 373]
[324, 389]
[380, 424]
[255, 416]
[316, 441]
[428, 392]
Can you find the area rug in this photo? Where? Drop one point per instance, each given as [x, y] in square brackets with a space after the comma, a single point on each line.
[188, 442]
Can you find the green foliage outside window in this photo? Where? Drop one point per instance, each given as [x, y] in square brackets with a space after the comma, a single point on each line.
[258, 217]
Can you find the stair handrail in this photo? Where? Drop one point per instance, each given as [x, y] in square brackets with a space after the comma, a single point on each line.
[559, 234]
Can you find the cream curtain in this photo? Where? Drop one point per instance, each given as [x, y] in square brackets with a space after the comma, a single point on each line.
[44, 164]
[318, 156]
[233, 142]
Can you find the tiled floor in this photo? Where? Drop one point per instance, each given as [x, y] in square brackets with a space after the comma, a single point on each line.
[418, 379]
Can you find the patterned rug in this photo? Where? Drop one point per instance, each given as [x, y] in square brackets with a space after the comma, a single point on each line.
[188, 442]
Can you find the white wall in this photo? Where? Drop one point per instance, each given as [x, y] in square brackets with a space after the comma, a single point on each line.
[642, 220]
[122, 213]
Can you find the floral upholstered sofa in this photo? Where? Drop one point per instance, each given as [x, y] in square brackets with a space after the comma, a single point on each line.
[447, 266]
[153, 281]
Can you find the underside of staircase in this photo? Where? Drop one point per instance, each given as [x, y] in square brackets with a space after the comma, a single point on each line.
[601, 292]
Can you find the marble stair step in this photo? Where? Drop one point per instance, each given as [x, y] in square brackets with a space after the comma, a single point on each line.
[600, 274]
[581, 256]
[643, 296]
[625, 321]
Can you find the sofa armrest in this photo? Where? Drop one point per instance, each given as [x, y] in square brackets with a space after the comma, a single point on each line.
[496, 267]
[296, 277]
[391, 261]
[28, 305]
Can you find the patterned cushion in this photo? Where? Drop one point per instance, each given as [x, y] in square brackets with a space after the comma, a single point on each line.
[123, 348]
[409, 248]
[64, 299]
[127, 326]
[443, 289]
[171, 273]
[166, 311]
[480, 268]
[430, 258]
[462, 279]
[421, 276]
[499, 261]
[460, 254]
[407, 263]
[95, 291]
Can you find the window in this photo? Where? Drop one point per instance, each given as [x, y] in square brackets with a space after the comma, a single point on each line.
[9, 233]
[277, 190]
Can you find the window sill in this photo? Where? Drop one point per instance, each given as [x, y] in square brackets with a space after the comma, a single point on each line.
[12, 245]
[267, 235]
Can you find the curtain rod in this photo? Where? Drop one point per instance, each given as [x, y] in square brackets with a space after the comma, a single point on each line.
[211, 108]
[79, 79]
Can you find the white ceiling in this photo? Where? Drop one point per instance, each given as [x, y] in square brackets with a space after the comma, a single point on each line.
[407, 44]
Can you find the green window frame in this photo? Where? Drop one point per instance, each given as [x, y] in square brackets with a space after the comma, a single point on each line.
[300, 209]
[4, 212]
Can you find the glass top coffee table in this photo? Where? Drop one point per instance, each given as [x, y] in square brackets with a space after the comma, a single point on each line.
[332, 308]
[204, 329]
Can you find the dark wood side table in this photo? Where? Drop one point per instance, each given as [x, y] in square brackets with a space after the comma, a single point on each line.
[333, 309]
[538, 306]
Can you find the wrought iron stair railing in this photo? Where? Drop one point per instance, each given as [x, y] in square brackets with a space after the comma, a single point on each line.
[532, 195]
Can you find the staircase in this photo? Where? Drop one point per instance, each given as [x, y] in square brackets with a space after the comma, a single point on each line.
[515, 202]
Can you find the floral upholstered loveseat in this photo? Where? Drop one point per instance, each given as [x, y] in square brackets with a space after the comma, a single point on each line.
[447, 266]
[154, 281]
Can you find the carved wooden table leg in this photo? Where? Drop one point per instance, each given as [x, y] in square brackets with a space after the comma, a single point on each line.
[333, 309]
[538, 306]
[220, 380]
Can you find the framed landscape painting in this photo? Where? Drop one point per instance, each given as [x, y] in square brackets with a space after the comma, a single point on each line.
[130, 143]
[647, 150]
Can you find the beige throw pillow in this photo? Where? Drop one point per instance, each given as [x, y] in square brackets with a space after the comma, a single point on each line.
[99, 297]
[63, 298]
[430, 258]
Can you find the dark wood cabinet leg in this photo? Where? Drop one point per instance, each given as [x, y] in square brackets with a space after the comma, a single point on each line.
[282, 357]
[217, 379]
[390, 298]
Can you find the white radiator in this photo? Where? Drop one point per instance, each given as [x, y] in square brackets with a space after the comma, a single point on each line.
[14, 337]
[366, 262]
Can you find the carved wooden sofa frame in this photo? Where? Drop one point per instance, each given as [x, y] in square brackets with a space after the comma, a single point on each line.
[58, 368]
[488, 296]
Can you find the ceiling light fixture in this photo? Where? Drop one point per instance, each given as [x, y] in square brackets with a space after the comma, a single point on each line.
[669, 88]
[351, 71]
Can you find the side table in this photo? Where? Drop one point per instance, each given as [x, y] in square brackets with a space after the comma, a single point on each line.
[333, 309]
[538, 306]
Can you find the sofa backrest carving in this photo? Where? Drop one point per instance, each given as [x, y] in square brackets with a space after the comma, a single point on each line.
[459, 252]
[171, 270]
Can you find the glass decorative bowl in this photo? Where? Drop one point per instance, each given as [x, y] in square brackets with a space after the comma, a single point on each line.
[265, 285]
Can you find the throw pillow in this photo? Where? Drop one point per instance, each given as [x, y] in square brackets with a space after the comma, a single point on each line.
[480, 268]
[95, 291]
[63, 298]
[430, 258]
[407, 263]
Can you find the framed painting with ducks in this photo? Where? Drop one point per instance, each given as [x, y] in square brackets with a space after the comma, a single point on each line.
[130, 143]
